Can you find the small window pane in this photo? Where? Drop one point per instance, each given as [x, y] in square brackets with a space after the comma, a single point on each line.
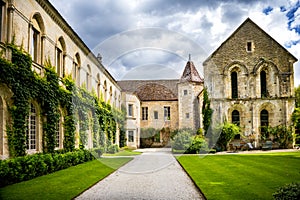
[130, 136]
[155, 115]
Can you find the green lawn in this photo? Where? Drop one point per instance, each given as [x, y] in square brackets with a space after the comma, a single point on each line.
[242, 176]
[64, 184]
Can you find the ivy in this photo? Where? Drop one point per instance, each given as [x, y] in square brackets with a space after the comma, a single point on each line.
[72, 103]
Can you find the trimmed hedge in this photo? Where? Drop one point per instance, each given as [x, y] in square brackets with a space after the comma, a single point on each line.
[289, 192]
[31, 166]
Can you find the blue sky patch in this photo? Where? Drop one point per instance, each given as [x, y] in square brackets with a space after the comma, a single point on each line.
[282, 9]
[267, 10]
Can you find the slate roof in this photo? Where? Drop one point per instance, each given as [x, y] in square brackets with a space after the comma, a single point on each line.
[152, 90]
[190, 73]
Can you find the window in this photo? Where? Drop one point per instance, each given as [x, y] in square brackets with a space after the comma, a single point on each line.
[130, 110]
[110, 94]
[32, 129]
[235, 117]
[105, 91]
[35, 44]
[263, 84]
[264, 120]
[36, 39]
[88, 79]
[155, 115]
[59, 61]
[130, 136]
[185, 92]
[167, 113]
[187, 115]
[57, 136]
[1, 19]
[60, 58]
[76, 69]
[234, 85]
[144, 113]
[98, 86]
[249, 46]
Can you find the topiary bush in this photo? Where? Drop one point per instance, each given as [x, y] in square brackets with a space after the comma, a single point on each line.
[288, 192]
[31, 166]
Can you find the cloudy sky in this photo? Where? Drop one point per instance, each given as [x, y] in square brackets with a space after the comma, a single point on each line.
[151, 39]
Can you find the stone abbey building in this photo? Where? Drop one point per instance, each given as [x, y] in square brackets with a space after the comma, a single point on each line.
[250, 79]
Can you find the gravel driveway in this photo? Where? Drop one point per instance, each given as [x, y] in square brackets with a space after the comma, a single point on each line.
[153, 175]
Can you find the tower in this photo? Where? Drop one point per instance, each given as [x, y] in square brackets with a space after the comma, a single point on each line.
[189, 87]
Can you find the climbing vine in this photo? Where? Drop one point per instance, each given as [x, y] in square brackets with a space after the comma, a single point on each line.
[77, 104]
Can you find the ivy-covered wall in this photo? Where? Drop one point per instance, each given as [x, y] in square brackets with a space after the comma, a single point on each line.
[96, 118]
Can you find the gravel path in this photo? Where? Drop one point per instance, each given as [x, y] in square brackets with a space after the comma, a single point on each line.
[153, 175]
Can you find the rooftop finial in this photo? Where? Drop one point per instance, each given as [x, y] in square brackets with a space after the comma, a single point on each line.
[189, 57]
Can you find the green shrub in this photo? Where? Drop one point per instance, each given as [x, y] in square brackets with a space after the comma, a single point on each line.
[182, 140]
[27, 167]
[228, 131]
[288, 192]
[114, 148]
[97, 152]
[199, 145]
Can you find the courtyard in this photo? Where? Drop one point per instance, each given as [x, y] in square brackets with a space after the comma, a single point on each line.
[155, 174]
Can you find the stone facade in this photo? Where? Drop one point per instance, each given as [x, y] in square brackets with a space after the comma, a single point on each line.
[37, 27]
[172, 104]
[250, 80]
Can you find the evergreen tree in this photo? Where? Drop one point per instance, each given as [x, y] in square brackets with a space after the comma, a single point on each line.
[206, 111]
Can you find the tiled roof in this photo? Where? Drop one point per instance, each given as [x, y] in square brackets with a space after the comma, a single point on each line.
[152, 90]
[190, 73]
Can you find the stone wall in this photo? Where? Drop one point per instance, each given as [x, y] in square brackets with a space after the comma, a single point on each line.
[248, 52]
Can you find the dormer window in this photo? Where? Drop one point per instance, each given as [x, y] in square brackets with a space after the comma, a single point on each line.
[249, 46]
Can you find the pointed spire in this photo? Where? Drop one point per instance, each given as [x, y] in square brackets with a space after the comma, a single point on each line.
[190, 73]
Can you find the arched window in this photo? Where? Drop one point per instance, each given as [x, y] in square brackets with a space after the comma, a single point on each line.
[234, 85]
[235, 115]
[36, 32]
[31, 133]
[263, 84]
[88, 77]
[98, 86]
[264, 120]
[76, 69]
[60, 58]
[105, 91]
[110, 94]
[57, 136]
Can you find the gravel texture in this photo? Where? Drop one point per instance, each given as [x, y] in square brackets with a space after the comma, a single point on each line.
[153, 175]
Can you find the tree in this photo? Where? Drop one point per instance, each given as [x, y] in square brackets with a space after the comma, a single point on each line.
[206, 111]
[297, 97]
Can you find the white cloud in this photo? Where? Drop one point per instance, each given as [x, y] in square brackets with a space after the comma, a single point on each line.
[204, 24]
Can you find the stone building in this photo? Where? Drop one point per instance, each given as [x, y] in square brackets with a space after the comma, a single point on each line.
[250, 80]
[172, 104]
[42, 32]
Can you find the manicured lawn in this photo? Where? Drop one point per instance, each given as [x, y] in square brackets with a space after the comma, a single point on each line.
[242, 176]
[64, 184]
